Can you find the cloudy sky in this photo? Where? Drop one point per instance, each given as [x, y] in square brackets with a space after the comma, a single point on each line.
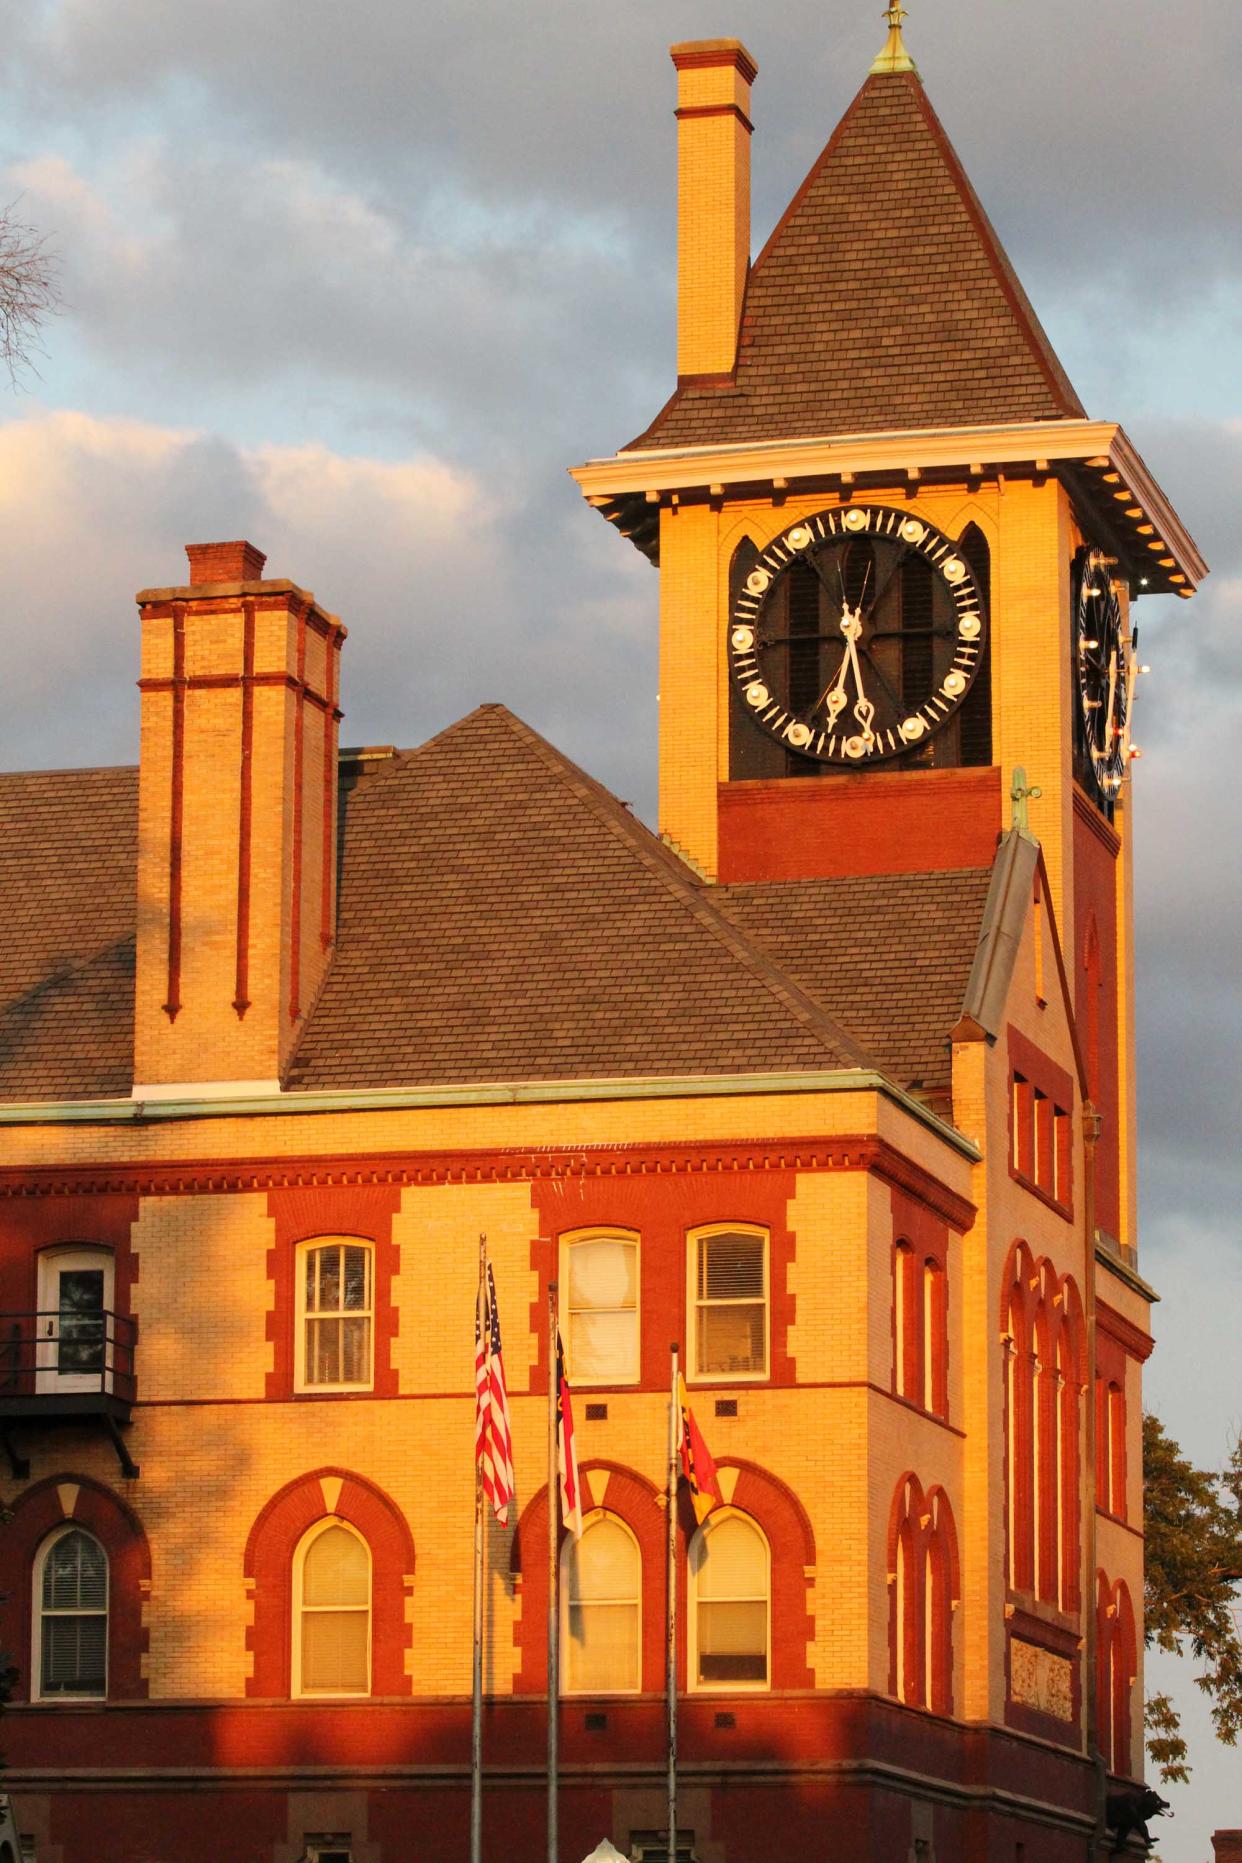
[358, 282]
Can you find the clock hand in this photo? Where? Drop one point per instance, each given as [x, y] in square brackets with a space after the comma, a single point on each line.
[894, 701]
[833, 694]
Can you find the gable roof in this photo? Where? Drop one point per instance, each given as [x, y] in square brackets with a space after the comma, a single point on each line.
[883, 301]
[503, 917]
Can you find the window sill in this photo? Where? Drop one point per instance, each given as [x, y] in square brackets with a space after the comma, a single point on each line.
[1045, 1196]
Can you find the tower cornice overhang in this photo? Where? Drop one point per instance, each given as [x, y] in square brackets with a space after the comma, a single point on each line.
[1096, 460]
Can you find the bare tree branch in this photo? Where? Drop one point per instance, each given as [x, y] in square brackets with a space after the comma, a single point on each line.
[29, 293]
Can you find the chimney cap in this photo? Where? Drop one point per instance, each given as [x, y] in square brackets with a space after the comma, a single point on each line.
[238, 561]
[689, 53]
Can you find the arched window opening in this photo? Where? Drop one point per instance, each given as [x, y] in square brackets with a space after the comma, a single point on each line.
[920, 1329]
[907, 1689]
[1043, 1418]
[332, 1612]
[976, 713]
[1116, 1440]
[601, 1279]
[71, 1617]
[903, 1272]
[335, 1315]
[601, 1606]
[924, 1552]
[730, 1603]
[935, 1338]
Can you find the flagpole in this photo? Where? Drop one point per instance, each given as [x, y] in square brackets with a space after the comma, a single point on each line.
[670, 1674]
[554, 1600]
[476, 1712]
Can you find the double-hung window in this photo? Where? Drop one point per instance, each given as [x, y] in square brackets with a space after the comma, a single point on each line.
[71, 1618]
[332, 1612]
[335, 1315]
[601, 1276]
[729, 1303]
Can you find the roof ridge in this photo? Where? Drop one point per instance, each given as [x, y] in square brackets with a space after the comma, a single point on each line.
[692, 894]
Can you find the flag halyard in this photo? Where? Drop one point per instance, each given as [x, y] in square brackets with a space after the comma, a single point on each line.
[696, 1461]
[493, 1440]
[566, 1448]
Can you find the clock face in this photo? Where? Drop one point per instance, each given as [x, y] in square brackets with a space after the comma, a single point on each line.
[856, 636]
[1101, 656]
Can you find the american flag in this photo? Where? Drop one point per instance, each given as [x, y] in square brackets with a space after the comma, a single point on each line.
[493, 1441]
[566, 1449]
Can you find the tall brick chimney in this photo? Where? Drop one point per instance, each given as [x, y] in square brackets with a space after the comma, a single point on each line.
[236, 823]
[714, 77]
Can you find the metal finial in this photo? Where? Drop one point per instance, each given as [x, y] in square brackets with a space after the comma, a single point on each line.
[1020, 794]
[894, 57]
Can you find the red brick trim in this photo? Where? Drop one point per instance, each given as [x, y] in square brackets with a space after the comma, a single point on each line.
[268, 1565]
[921, 1532]
[299, 760]
[852, 1152]
[1132, 1339]
[1086, 812]
[332, 684]
[919, 1238]
[1041, 1074]
[1041, 1319]
[176, 822]
[301, 1214]
[241, 991]
[706, 55]
[38, 1512]
[1059, 1640]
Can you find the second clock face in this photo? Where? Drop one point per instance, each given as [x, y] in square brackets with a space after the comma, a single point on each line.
[856, 636]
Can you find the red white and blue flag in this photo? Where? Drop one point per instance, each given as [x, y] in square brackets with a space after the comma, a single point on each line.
[493, 1440]
[566, 1451]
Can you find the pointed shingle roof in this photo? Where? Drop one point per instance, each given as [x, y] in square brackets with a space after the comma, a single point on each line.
[883, 301]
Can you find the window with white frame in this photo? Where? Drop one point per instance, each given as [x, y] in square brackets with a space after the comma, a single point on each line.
[601, 1609]
[730, 1616]
[601, 1277]
[71, 1617]
[332, 1612]
[729, 1304]
[335, 1315]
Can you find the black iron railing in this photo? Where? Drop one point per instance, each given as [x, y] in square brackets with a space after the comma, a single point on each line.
[57, 1354]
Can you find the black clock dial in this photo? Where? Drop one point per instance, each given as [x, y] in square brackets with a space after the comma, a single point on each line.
[1102, 665]
[856, 636]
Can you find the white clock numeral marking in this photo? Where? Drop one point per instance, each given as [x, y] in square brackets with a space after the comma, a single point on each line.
[954, 685]
[798, 735]
[743, 639]
[912, 531]
[954, 570]
[757, 695]
[757, 581]
[912, 729]
[970, 627]
[798, 537]
[856, 747]
[855, 519]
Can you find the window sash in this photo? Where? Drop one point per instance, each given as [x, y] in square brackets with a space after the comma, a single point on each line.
[731, 1305]
[602, 1332]
[337, 1320]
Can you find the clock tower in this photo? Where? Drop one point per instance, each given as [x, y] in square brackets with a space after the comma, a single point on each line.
[897, 559]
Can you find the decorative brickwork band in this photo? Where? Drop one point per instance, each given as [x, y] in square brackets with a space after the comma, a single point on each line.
[176, 825]
[241, 998]
[299, 735]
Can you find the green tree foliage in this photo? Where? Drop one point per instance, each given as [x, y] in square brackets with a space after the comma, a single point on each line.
[1193, 1519]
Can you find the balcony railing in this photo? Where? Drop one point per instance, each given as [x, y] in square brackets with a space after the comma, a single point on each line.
[59, 1366]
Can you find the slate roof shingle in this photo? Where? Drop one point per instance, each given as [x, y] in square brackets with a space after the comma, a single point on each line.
[883, 301]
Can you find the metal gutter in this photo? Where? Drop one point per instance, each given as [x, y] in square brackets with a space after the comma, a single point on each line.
[511, 1093]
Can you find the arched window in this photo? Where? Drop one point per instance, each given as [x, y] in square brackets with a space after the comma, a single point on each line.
[1116, 1662]
[730, 1600]
[332, 1612]
[729, 1303]
[1043, 1346]
[600, 1275]
[335, 1315]
[601, 1609]
[923, 1581]
[920, 1329]
[71, 1617]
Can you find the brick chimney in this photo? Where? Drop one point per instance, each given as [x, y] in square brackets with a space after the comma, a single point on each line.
[236, 823]
[714, 77]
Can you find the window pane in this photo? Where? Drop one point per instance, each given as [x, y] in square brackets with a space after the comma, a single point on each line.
[334, 1651]
[81, 1320]
[312, 1265]
[74, 1655]
[75, 1575]
[356, 1355]
[730, 1339]
[733, 1642]
[731, 1267]
[602, 1274]
[357, 1292]
[603, 1648]
[323, 1351]
[603, 1564]
[329, 1279]
[603, 1345]
[337, 1569]
[731, 1561]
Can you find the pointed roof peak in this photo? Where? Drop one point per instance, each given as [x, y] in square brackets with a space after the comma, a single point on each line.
[894, 57]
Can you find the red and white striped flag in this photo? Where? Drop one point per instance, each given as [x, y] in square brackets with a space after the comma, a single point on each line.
[566, 1452]
[696, 1459]
[493, 1441]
